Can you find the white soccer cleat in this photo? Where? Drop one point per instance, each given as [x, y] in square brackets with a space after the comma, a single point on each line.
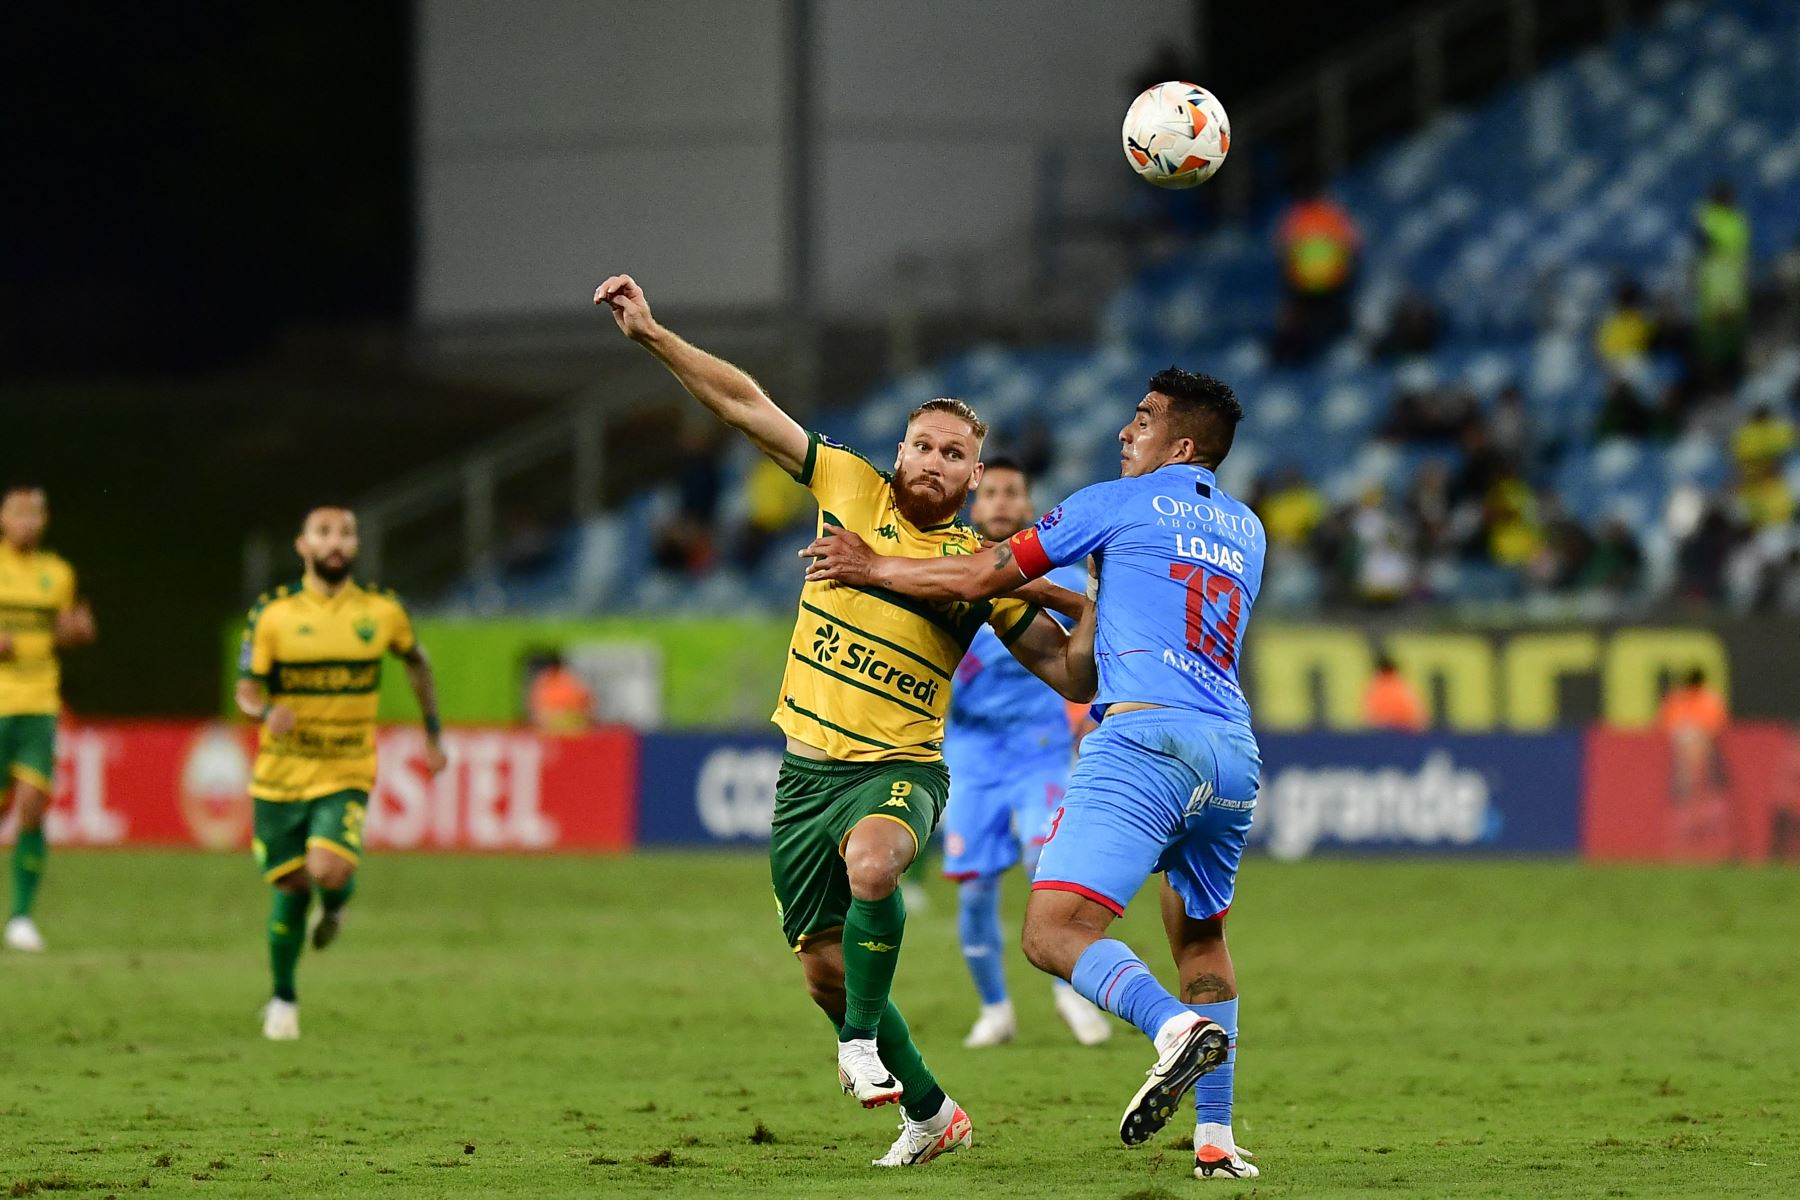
[994, 1027]
[1188, 1051]
[281, 1021]
[21, 934]
[862, 1074]
[1218, 1156]
[921, 1141]
[1085, 1020]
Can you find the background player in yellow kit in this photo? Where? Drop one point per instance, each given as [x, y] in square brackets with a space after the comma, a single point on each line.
[311, 674]
[39, 615]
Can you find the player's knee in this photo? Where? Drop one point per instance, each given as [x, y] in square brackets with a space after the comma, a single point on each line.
[874, 871]
[828, 995]
[32, 805]
[329, 871]
[294, 881]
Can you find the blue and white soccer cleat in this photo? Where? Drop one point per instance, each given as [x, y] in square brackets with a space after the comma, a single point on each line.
[1187, 1055]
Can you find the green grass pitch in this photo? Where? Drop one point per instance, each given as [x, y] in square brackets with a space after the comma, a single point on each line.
[634, 1026]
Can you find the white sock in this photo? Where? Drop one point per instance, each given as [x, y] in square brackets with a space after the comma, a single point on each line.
[1215, 1135]
[941, 1122]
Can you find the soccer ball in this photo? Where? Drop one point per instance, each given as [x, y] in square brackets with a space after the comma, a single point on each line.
[1176, 135]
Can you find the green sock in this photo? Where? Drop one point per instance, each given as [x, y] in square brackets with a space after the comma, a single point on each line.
[893, 1040]
[335, 898]
[28, 869]
[923, 1097]
[287, 933]
[872, 931]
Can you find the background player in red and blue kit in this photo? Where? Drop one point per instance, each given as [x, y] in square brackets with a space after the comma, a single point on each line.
[1009, 748]
[1168, 781]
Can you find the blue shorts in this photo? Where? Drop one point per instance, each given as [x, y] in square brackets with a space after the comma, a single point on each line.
[1156, 790]
[1003, 792]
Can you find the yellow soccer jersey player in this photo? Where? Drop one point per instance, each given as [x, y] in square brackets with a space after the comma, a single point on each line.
[311, 674]
[869, 672]
[867, 686]
[39, 615]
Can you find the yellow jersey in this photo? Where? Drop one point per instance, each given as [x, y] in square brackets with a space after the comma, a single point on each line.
[869, 671]
[35, 587]
[321, 656]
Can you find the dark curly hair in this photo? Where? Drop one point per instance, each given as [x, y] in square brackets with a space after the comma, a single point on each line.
[1201, 408]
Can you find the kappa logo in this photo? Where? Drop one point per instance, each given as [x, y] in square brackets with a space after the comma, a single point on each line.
[895, 802]
[955, 548]
[889, 532]
[303, 631]
[825, 643]
[365, 629]
[877, 947]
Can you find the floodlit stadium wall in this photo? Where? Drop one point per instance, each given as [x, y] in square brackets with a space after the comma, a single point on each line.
[1605, 794]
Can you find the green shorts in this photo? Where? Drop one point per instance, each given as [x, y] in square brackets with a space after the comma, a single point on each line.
[28, 750]
[816, 806]
[286, 829]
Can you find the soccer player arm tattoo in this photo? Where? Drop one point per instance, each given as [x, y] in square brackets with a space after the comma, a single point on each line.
[841, 555]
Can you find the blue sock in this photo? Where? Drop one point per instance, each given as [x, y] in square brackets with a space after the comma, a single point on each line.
[1212, 1093]
[978, 923]
[1110, 975]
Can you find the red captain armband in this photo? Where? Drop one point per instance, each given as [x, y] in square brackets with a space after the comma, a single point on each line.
[1028, 552]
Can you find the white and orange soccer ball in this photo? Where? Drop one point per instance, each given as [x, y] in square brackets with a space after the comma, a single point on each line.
[1176, 135]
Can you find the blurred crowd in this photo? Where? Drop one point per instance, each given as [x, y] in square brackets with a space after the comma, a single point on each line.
[1476, 517]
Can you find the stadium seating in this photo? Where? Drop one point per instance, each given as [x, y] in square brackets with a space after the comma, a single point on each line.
[1514, 220]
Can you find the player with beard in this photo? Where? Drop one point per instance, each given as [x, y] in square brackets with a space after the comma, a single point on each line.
[311, 674]
[867, 685]
[1009, 747]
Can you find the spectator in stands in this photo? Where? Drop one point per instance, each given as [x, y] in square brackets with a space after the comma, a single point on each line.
[1722, 287]
[558, 702]
[1625, 413]
[1385, 567]
[686, 540]
[1627, 330]
[773, 501]
[1568, 547]
[1318, 242]
[1291, 509]
[1764, 500]
[1413, 327]
[1509, 426]
[1616, 566]
[1700, 559]
[1433, 516]
[1482, 465]
[1436, 414]
[1763, 440]
[1511, 534]
[1390, 701]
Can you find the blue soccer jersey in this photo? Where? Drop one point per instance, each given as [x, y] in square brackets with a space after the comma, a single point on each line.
[1009, 748]
[1181, 565]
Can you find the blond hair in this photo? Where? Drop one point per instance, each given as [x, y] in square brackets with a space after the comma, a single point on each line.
[956, 408]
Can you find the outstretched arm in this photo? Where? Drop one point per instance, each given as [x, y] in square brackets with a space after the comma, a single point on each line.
[726, 391]
[424, 687]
